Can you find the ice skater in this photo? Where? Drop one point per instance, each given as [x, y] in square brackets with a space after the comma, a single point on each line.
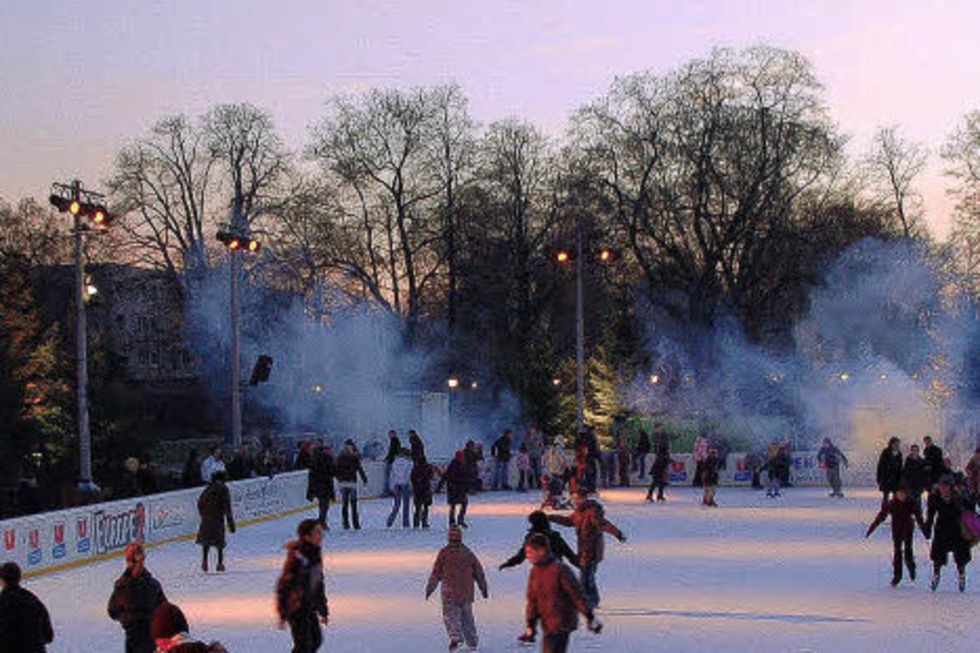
[135, 596]
[889, 471]
[554, 597]
[946, 506]
[457, 568]
[557, 544]
[301, 598]
[709, 478]
[347, 470]
[905, 513]
[214, 506]
[422, 474]
[660, 471]
[458, 482]
[320, 482]
[25, 624]
[589, 521]
[400, 483]
[172, 633]
[831, 458]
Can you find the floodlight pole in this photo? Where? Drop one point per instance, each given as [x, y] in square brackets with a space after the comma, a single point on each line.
[234, 263]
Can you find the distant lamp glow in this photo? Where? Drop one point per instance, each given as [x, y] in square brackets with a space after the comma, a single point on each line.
[563, 257]
[452, 382]
[474, 385]
[882, 377]
[74, 207]
[556, 382]
[844, 376]
[654, 379]
[318, 389]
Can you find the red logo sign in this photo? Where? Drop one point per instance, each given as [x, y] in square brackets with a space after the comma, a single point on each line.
[10, 539]
[59, 533]
[81, 527]
[34, 539]
[677, 465]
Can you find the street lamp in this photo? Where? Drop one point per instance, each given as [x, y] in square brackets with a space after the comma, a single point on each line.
[81, 203]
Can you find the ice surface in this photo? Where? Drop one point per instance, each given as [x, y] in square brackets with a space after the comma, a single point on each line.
[756, 574]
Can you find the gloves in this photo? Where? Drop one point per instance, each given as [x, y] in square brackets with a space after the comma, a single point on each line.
[595, 625]
[501, 567]
[231, 527]
[528, 636]
[486, 595]
[622, 537]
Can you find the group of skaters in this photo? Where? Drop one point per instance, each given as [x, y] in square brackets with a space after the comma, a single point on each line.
[951, 522]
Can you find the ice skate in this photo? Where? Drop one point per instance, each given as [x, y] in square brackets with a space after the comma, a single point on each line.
[221, 566]
[935, 582]
[962, 582]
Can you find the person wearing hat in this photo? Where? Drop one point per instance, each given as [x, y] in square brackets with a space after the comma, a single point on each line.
[214, 507]
[554, 598]
[458, 481]
[25, 626]
[559, 547]
[589, 521]
[905, 514]
[457, 568]
[946, 506]
[135, 596]
[301, 598]
[172, 634]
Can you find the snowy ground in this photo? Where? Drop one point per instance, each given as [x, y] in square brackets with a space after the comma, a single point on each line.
[756, 574]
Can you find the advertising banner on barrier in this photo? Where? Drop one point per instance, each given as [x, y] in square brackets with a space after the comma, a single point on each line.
[681, 469]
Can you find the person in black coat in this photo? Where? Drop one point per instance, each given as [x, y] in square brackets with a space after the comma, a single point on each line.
[416, 445]
[659, 471]
[25, 626]
[905, 515]
[214, 506]
[422, 475]
[889, 472]
[915, 477]
[640, 454]
[191, 476]
[946, 506]
[458, 483]
[319, 483]
[935, 461]
[347, 469]
[134, 598]
[501, 454]
[394, 446]
[559, 547]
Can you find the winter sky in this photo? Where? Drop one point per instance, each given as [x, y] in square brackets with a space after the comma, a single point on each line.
[79, 79]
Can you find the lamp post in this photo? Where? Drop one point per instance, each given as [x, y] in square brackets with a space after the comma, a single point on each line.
[79, 202]
[579, 335]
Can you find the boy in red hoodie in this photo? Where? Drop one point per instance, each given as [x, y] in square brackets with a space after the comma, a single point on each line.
[903, 511]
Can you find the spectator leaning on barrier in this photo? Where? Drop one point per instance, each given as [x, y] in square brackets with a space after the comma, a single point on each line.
[213, 463]
[25, 626]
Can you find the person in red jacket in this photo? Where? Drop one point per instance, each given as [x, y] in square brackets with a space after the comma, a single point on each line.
[554, 598]
[590, 523]
[905, 515]
[457, 568]
[301, 598]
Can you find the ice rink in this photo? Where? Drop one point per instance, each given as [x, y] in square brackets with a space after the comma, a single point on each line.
[755, 575]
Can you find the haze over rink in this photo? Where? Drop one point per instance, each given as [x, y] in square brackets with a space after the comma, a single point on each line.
[793, 574]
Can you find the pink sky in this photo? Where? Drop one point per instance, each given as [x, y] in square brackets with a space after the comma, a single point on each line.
[79, 79]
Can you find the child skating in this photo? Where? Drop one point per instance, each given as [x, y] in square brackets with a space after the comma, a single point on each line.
[457, 569]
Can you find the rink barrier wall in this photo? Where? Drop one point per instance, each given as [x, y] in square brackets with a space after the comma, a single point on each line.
[56, 541]
[65, 539]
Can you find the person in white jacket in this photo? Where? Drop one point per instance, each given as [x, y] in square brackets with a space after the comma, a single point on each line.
[213, 463]
[400, 482]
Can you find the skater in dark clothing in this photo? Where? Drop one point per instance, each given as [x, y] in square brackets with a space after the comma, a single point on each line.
[709, 478]
[936, 466]
[394, 446]
[172, 634]
[659, 472]
[25, 626]
[777, 469]
[457, 569]
[915, 476]
[347, 469]
[889, 471]
[191, 476]
[623, 461]
[831, 458]
[905, 515]
[458, 482]
[943, 522]
[301, 598]
[320, 482]
[557, 544]
[422, 475]
[640, 454]
[135, 596]
[501, 452]
[554, 598]
[214, 506]
[416, 445]
[589, 521]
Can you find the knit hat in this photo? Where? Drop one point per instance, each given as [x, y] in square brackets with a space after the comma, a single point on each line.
[455, 535]
[168, 620]
[132, 550]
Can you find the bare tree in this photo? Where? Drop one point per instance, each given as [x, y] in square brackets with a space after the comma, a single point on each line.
[163, 183]
[961, 152]
[893, 165]
[378, 146]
